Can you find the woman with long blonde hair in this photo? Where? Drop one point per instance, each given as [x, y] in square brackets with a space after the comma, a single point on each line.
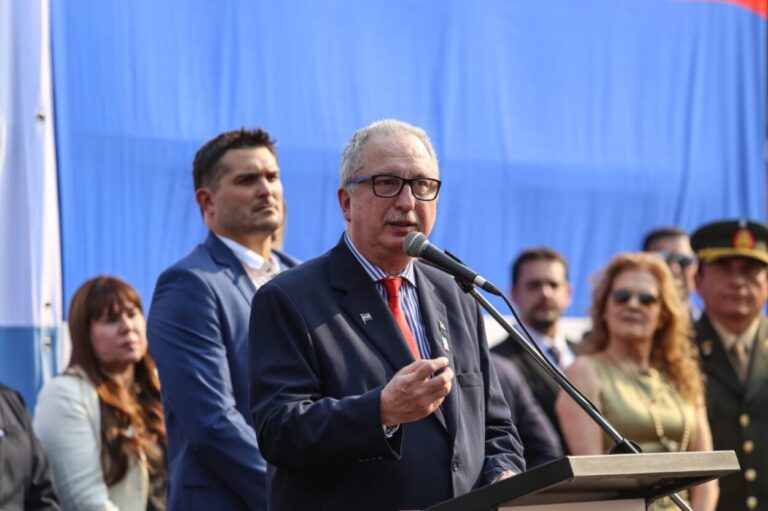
[639, 368]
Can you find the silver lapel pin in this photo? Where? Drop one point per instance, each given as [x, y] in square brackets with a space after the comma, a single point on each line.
[366, 317]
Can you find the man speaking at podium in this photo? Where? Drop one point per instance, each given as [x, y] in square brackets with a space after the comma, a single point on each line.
[371, 386]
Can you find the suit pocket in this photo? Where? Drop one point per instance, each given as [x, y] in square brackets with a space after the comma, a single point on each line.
[470, 379]
[471, 401]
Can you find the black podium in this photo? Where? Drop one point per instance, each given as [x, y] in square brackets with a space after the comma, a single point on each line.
[617, 482]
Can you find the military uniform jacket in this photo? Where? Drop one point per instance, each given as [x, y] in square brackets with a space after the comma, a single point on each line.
[738, 415]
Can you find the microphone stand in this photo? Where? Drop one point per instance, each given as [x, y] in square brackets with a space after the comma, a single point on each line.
[622, 445]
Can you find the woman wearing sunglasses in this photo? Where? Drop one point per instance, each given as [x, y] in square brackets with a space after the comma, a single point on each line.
[639, 369]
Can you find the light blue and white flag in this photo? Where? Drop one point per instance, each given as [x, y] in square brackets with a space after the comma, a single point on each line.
[30, 253]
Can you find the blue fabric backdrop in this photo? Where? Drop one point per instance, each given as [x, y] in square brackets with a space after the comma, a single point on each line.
[578, 125]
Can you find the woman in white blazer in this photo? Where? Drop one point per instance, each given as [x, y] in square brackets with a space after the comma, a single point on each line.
[101, 421]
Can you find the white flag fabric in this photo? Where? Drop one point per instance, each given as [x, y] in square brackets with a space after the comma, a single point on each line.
[30, 252]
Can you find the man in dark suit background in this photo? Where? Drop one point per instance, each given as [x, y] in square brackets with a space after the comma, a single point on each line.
[674, 245]
[198, 326]
[371, 385]
[541, 290]
[732, 337]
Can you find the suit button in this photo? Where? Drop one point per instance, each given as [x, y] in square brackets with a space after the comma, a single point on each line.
[744, 420]
[455, 464]
[751, 502]
[748, 446]
[750, 474]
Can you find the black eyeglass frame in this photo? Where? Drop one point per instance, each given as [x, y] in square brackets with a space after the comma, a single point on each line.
[403, 182]
[623, 296]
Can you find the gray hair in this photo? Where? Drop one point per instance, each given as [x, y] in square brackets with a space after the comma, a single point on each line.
[352, 158]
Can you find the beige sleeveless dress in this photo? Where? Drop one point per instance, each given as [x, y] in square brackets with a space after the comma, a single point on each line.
[646, 408]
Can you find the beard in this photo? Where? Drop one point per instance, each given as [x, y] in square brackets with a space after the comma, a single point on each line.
[541, 324]
[543, 316]
[256, 222]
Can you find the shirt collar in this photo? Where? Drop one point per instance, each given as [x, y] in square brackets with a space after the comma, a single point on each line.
[245, 255]
[559, 342]
[374, 271]
[729, 338]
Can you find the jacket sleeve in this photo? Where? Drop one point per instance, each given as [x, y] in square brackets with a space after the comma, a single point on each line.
[66, 421]
[537, 434]
[38, 493]
[503, 449]
[298, 425]
[185, 338]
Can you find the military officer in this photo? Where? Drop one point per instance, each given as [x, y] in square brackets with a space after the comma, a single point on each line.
[732, 337]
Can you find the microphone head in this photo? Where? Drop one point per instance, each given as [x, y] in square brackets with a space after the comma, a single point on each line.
[415, 243]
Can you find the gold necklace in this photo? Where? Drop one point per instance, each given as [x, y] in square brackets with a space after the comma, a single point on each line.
[648, 400]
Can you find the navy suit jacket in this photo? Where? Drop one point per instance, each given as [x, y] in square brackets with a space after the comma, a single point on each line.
[545, 389]
[198, 336]
[323, 345]
[540, 439]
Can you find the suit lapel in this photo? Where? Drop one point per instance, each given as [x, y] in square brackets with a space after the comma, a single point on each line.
[715, 361]
[533, 367]
[231, 266]
[286, 261]
[435, 320]
[757, 378]
[366, 309]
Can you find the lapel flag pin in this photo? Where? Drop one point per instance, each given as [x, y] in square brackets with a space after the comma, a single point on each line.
[446, 347]
[706, 348]
[366, 317]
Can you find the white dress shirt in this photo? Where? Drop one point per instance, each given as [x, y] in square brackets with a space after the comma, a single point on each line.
[559, 342]
[260, 270]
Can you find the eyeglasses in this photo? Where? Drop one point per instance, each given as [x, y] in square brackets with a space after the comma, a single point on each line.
[681, 259]
[387, 186]
[623, 296]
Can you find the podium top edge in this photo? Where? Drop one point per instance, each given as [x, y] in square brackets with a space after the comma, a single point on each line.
[720, 462]
[599, 477]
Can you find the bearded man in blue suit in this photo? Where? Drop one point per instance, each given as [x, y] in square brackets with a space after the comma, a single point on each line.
[198, 326]
[371, 383]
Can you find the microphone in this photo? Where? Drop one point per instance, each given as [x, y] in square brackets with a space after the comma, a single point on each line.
[417, 245]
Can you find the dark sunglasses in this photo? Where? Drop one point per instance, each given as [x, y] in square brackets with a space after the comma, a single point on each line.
[623, 296]
[681, 259]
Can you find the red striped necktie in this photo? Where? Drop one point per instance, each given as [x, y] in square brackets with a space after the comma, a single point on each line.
[392, 285]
